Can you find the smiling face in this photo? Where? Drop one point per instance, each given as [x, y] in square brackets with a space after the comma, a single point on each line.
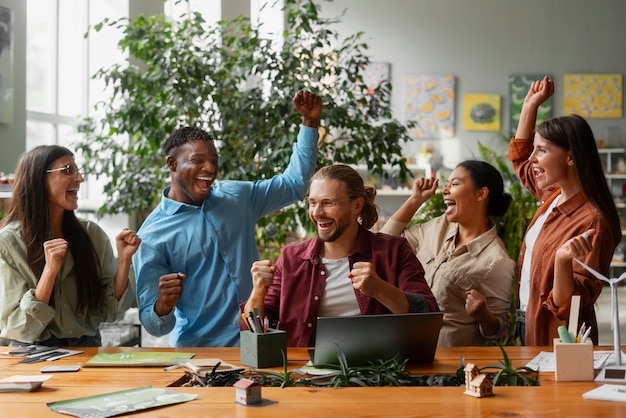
[551, 163]
[63, 188]
[193, 167]
[332, 220]
[463, 200]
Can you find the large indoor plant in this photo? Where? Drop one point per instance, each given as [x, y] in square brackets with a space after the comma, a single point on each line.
[229, 80]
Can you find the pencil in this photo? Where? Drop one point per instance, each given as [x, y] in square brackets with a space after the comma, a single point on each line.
[245, 320]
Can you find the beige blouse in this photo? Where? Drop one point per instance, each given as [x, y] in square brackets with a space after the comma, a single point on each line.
[482, 264]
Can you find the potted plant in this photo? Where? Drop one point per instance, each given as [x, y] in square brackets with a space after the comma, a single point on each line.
[507, 375]
[229, 80]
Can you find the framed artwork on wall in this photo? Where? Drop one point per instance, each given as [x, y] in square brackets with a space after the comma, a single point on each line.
[429, 100]
[481, 112]
[6, 65]
[518, 87]
[375, 74]
[593, 95]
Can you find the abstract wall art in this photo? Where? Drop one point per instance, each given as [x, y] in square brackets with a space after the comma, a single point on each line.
[374, 74]
[518, 88]
[430, 101]
[593, 95]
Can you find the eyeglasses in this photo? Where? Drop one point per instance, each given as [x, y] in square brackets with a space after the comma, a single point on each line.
[70, 170]
[323, 203]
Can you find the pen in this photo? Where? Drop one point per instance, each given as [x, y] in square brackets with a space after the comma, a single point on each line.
[259, 324]
[172, 367]
[581, 332]
[245, 320]
[266, 324]
[257, 316]
[585, 335]
[252, 323]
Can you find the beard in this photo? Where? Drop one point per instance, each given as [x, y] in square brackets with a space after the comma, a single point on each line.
[332, 235]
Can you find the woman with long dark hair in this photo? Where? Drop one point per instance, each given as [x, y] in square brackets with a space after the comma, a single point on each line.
[466, 263]
[59, 278]
[558, 162]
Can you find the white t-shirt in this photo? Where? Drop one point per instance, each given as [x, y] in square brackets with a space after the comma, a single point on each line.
[338, 298]
[531, 238]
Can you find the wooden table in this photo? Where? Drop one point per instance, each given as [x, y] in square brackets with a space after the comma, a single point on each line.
[551, 399]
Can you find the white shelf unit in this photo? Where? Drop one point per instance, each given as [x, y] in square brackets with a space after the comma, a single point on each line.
[5, 191]
[617, 182]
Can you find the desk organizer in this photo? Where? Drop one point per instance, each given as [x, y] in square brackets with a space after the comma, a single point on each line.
[573, 361]
[263, 349]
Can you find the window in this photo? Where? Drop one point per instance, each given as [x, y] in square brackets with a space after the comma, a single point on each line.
[61, 62]
[269, 15]
[211, 10]
[59, 88]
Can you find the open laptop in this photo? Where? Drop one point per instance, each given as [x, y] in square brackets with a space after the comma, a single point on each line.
[366, 338]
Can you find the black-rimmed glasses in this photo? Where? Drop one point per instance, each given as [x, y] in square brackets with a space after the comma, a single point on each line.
[70, 170]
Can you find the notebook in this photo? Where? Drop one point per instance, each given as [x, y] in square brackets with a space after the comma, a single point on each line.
[366, 338]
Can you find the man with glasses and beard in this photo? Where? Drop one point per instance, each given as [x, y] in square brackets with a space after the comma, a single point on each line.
[346, 270]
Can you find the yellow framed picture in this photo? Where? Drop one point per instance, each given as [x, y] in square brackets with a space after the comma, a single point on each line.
[481, 112]
[593, 95]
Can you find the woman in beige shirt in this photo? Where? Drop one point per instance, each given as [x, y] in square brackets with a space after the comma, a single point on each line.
[466, 263]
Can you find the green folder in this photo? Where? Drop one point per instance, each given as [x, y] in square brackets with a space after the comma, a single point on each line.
[138, 359]
[120, 403]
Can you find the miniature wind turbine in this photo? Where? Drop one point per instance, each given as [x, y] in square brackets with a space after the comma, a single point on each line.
[612, 372]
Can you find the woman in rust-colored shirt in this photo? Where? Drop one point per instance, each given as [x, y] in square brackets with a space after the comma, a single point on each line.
[576, 218]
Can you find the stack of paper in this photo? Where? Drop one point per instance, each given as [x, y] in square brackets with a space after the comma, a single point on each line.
[607, 392]
[206, 365]
[544, 361]
[19, 383]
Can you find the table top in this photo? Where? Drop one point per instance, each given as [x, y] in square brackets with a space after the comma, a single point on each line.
[550, 399]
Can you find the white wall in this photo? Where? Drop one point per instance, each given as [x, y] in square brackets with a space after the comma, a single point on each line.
[482, 42]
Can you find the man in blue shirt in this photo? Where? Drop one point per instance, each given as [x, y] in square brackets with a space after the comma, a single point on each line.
[193, 267]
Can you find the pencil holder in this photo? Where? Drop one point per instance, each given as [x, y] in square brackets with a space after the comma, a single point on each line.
[263, 349]
[573, 361]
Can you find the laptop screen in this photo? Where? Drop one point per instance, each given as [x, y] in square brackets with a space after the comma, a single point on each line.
[367, 338]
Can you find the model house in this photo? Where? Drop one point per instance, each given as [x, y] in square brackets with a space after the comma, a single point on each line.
[476, 383]
[247, 392]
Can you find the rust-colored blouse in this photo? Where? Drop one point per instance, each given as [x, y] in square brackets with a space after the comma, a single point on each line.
[568, 219]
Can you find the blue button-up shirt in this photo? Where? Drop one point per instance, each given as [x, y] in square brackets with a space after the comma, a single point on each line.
[214, 246]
